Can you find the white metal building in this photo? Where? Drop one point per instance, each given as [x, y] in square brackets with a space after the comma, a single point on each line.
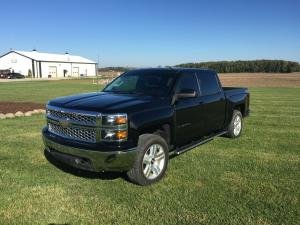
[47, 65]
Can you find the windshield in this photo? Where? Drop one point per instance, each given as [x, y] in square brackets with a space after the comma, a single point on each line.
[156, 83]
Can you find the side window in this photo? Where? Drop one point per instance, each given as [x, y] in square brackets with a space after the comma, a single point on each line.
[208, 83]
[187, 81]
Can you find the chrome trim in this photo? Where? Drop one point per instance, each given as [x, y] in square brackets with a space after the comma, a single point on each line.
[98, 131]
[82, 112]
[86, 118]
[98, 126]
[79, 134]
[57, 122]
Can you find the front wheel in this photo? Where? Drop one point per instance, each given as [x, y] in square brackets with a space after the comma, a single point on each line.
[152, 160]
[236, 125]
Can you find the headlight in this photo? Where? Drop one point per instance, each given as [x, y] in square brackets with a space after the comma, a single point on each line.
[115, 119]
[115, 127]
[114, 135]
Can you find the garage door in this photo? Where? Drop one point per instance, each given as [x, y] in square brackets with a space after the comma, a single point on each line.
[52, 71]
[75, 71]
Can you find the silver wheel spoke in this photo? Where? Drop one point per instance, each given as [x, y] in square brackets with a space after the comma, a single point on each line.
[147, 159]
[159, 155]
[147, 170]
[152, 150]
[155, 169]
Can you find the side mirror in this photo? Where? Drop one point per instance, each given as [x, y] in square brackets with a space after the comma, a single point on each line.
[186, 93]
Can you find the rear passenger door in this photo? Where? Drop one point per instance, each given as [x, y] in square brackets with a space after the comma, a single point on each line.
[213, 101]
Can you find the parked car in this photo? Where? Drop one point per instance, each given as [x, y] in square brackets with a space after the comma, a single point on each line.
[3, 73]
[14, 76]
[141, 119]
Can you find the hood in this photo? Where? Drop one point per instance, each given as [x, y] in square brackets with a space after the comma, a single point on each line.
[104, 102]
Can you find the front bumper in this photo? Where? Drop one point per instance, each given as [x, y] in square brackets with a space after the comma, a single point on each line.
[92, 160]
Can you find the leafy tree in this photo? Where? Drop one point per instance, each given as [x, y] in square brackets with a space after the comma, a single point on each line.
[251, 66]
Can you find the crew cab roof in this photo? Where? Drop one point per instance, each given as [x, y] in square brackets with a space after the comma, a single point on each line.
[174, 69]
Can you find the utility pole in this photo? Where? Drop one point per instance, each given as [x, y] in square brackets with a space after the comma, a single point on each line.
[98, 83]
[98, 64]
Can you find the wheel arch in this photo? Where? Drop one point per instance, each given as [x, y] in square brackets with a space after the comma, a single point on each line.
[241, 108]
[163, 130]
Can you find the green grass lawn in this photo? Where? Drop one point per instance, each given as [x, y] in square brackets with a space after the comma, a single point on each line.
[42, 91]
[251, 180]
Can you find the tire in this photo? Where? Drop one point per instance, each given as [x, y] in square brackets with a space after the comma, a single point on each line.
[151, 161]
[236, 125]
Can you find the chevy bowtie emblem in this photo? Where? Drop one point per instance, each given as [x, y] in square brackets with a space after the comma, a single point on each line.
[65, 123]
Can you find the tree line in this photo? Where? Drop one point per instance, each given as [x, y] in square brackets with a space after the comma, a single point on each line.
[251, 66]
[114, 68]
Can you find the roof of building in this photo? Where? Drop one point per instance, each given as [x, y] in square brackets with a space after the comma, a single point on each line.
[49, 57]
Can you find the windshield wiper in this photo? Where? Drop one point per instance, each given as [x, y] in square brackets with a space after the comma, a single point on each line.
[136, 92]
[125, 92]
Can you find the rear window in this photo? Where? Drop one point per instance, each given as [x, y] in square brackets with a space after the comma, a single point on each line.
[208, 83]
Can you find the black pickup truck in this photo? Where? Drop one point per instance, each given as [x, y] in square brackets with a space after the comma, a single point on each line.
[141, 119]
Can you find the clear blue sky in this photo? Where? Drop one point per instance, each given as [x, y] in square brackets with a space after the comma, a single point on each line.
[153, 32]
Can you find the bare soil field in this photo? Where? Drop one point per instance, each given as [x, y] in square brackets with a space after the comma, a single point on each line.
[261, 79]
[13, 107]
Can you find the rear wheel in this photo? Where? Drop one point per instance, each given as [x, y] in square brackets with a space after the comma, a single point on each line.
[152, 160]
[236, 125]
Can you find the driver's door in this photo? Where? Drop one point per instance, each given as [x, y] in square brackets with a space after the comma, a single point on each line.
[187, 109]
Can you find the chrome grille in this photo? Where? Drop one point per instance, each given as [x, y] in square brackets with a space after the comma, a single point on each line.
[81, 134]
[73, 117]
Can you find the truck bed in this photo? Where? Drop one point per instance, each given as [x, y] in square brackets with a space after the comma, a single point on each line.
[238, 96]
[229, 91]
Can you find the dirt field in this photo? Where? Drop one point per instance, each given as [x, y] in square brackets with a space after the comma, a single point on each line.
[13, 107]
[261, 79]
